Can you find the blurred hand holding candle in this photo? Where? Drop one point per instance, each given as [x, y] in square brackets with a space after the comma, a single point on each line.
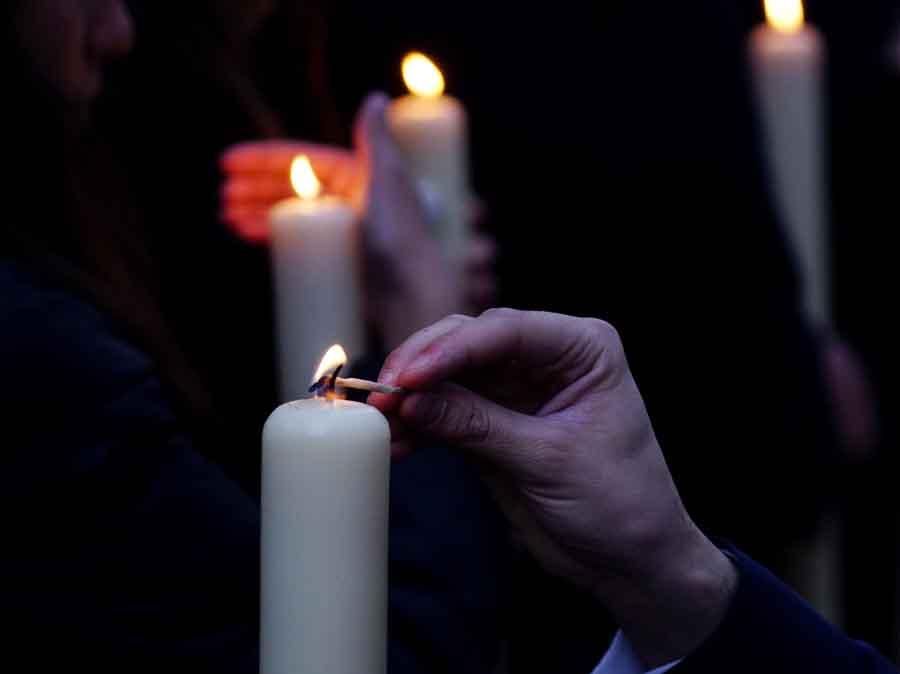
[431, 130]
[326, 465]
[788, 58]
[316, 274]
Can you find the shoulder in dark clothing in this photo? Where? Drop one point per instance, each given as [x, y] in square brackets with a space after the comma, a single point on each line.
[126, 549]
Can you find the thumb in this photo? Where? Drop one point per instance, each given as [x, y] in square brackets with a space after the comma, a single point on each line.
[461, 418]
[373, 135]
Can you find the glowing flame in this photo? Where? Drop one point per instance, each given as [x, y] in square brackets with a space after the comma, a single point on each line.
[422, 77]
[785, 16]
[304, 179]
[334, 357]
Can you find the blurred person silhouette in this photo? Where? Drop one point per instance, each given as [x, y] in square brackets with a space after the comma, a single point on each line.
[129, 544]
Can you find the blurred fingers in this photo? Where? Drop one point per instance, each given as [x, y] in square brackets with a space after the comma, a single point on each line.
[276, 156]
[260, 190]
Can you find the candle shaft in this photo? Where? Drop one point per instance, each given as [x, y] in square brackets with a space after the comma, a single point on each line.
[324, 539]
[432, 134]
[318, 299]
[788, 73]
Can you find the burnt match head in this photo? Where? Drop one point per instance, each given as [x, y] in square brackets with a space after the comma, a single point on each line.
[325, 386]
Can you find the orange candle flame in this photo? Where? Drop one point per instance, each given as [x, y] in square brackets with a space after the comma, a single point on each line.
[422, 76]
[785, 16]
[303, 178]
[333, 359]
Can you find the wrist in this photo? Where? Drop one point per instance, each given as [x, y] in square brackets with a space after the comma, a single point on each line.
[676, 603]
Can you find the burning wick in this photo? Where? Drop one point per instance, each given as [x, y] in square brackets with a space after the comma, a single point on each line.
[327, 383]
[331, 381]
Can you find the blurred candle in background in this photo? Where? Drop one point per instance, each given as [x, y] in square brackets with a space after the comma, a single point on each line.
[316, 274]
[324, 573]
[787, 57]
[431, 130]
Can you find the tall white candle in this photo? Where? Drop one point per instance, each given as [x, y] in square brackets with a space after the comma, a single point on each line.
[431, 130]
[787, 58]
[315, 270]
[324, 538]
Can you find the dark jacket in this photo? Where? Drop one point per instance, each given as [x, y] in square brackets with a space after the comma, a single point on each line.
[770, 629]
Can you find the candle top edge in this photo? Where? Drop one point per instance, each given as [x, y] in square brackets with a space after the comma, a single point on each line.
[319, 205]
[307, 406]
[319, 418]
[806, 34]
[411, 107]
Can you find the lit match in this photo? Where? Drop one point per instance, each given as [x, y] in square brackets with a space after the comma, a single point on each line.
[329, 382]
[370, 386]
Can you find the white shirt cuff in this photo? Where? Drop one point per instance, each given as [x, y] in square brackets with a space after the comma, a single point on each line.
[621, 659]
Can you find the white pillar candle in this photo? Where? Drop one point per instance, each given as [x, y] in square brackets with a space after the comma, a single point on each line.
[431, 130]
[325, 480]
[788, 57]
[316, 273]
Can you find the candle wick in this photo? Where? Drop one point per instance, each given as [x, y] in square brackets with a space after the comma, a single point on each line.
[327, 383]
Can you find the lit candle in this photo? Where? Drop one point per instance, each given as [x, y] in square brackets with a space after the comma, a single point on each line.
[431, 130]
[788, 58]
[325, 476]
[315, 270]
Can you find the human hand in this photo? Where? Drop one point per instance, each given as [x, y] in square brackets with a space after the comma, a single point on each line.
[548, 406]
[410, 282]
[257, 176]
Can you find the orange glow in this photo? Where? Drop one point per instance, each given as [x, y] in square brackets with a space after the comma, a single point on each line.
[422, 76]
[304, 179]
[333, 358]
[785, 16]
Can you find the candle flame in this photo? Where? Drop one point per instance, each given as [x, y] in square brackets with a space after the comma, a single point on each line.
[304, 179]
[785, 16]
[333, 358]
[422, 76]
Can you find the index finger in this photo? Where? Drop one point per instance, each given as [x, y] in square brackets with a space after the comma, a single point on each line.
[537, 340]
[276, 156]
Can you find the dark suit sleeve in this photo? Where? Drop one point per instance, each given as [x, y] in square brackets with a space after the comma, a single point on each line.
[124, 548]
[770, 629]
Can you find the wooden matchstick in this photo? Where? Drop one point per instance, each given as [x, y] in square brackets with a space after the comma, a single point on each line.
[371, 386]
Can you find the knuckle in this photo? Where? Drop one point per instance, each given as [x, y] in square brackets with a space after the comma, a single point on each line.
[604, 330]
[477, 425]
[457, 420]
[434, 413]
[500, 313]
[609, 339]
